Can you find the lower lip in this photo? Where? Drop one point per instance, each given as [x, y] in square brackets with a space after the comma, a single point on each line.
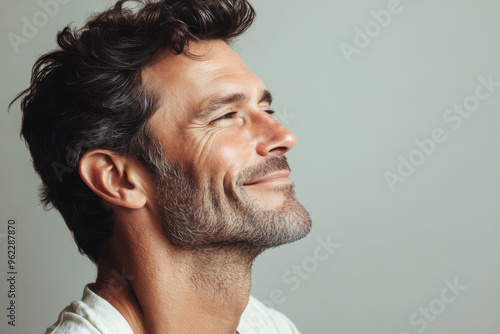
[278, 179]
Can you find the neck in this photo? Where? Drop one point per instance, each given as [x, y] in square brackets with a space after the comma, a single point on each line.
[159, 288]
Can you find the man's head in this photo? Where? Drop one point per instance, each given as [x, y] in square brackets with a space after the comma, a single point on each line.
[161, 87]
[219, 139]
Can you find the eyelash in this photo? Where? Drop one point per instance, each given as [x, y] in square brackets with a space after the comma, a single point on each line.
[230, 114]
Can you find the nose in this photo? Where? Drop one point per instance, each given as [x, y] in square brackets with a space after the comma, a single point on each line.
[273, 138]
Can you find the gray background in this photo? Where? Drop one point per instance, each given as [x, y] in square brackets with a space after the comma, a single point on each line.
[353, 120]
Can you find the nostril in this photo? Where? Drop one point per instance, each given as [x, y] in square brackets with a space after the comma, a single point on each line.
[279, 150]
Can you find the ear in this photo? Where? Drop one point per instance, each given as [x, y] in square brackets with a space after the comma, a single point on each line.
[116, 179]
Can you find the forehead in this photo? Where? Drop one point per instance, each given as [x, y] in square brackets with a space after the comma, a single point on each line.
[186, 84]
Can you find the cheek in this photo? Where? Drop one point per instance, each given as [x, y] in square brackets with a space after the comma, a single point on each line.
[233, 148]
[237, 147]
[223, 156]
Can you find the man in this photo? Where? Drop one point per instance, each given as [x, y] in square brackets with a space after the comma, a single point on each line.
[157, 145]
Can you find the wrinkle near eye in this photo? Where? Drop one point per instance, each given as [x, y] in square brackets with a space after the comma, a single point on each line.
[206, 145]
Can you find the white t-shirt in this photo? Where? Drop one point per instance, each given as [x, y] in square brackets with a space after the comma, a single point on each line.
[94, 315]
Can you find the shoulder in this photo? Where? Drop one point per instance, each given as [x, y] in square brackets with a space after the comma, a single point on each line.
[258, 318]
[74, 318]
[91, 315]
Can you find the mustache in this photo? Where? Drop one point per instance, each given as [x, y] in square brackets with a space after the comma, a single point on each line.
[271, 165]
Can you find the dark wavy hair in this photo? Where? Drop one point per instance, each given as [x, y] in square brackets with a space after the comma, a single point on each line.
[88, 94]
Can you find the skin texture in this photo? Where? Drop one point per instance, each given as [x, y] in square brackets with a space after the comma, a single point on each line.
[183, 243]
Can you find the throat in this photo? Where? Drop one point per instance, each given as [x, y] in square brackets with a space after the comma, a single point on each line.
[186, 292]
[220, 273]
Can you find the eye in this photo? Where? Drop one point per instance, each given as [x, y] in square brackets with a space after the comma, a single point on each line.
[226, 116]
[230, 115]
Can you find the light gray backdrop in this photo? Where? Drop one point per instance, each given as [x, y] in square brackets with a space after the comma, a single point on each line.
[395, 106]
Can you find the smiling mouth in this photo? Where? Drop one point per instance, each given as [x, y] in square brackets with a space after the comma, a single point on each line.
[281, 176]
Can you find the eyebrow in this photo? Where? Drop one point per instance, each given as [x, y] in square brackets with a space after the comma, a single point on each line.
[223, 101]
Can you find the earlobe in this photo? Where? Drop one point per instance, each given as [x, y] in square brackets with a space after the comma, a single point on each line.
[113, 178]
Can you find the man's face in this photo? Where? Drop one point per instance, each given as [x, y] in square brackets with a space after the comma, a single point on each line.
[224, 173]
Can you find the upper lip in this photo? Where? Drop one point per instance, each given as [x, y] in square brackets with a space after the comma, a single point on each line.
[275, 175]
